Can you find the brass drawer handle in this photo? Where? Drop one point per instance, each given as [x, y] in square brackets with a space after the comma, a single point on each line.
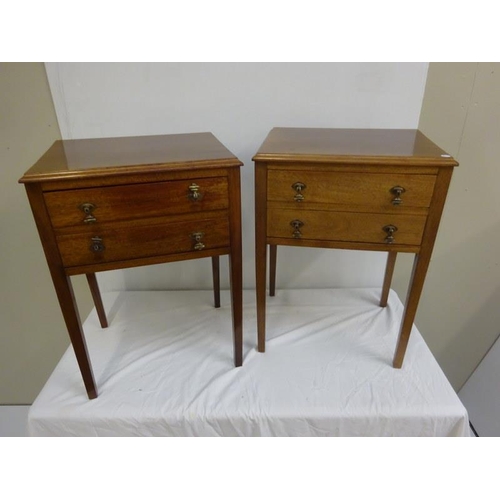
[194, 192]
[198, 244]
[298, 186]
[297, 224]
[390, 230]
[87, 209]
[397, 191]
[97, 245]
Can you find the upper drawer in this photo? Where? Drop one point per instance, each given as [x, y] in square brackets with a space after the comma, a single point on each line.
[343, 188]
[117, 203]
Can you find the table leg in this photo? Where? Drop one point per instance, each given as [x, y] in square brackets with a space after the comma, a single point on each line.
[261, 251]
[216, 279]
[62, 285]
[96, 296]
[235, 263]
[237, 306]
[389, 270]
[64, 290]
[421, 262]
[420, 265]
[273, 251]
[260, 274]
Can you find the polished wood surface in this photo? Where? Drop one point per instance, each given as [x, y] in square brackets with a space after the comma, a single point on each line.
[349, 194]
[63, 287]
[350, 189]
[346, 226]
[421, 264]
[216, 279]
[137, 177]
[346, 245]
[273, 256]
[103, 204]
[146, 261]
[389, 271]
[367, 146]
[236, 264]
[261, 251]
[96, 296]
[121, 155]
[136, 201]
[125, 242]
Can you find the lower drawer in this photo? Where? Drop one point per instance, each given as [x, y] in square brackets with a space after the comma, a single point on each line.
[346, 226]
[111, 244]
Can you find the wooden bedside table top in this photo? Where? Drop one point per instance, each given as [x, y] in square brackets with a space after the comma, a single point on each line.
[369, 146]
[120, 155]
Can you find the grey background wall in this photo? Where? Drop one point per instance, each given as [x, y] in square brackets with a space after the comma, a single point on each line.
[32, 332]
[458, 315]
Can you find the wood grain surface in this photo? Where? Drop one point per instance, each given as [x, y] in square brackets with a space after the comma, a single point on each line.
[122, 203]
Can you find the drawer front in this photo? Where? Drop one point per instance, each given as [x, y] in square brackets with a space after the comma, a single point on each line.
[95, 206]
[359, 189]
[346, 226]
[122, 242]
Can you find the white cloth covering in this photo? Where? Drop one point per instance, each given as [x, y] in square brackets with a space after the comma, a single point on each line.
[164, 367]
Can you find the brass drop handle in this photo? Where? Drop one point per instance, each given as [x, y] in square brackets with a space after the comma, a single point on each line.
[194, 192]
[390, 230]
[97, 244]
[198, 244]
[296, 224]
[299, 187]
[87, 209]
[397, 191]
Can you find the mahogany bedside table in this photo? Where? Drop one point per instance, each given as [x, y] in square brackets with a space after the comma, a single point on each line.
[113, 203]
[353, 189]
